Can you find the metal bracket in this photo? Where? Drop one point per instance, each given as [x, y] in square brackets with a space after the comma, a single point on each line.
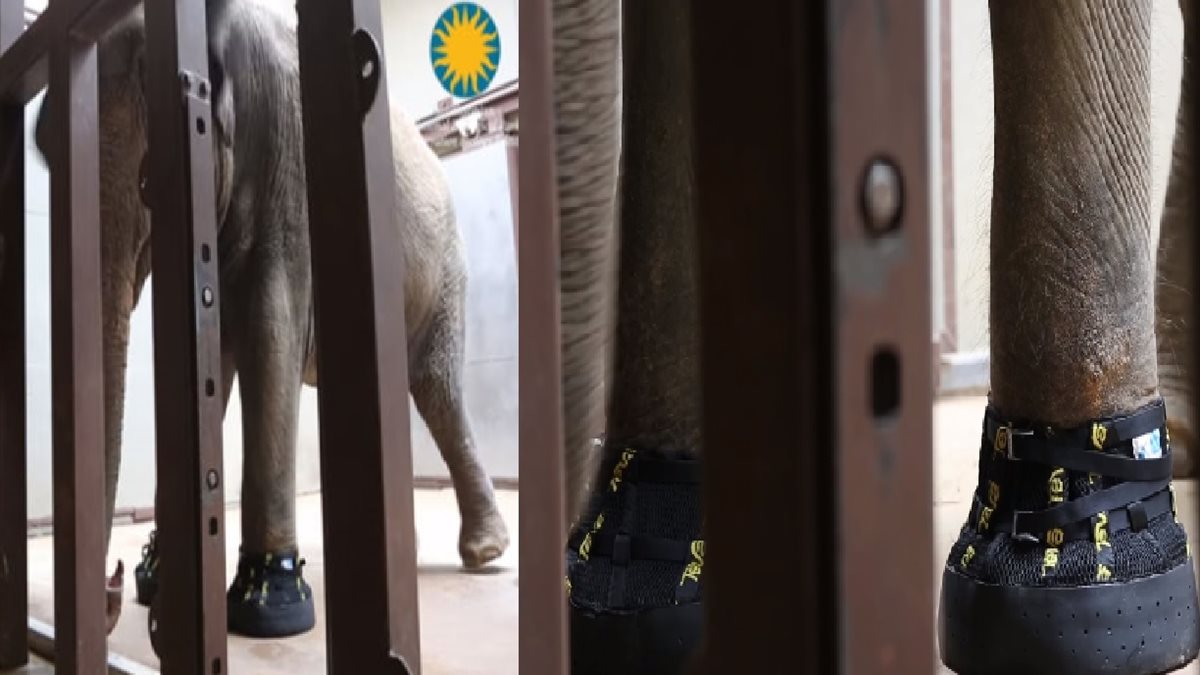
[370, 68]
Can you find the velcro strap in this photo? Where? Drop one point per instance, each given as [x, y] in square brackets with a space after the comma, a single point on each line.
[605, 545]
[1026, 448]
[664, 471]
[1034, 525]
[1082, 448]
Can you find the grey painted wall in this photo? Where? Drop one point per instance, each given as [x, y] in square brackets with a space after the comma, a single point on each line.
[479, 181]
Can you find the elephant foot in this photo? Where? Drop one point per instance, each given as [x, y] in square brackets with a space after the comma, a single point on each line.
[634, 569]
[145, 574]
[114, 596]
[1072, 558]
[269, 597]
[482, 539]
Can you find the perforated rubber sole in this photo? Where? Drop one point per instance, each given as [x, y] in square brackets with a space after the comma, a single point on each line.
[1141, 627]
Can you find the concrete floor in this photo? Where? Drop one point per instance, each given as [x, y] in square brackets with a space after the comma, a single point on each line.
[468, 620]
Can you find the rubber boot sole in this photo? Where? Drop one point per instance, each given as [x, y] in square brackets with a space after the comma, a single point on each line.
[660, 641]
[1142, 627]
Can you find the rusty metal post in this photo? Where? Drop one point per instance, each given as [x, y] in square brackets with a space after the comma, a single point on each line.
[543, 630]
[77, 377]
[826, 410]
[358, 289]
[14, 582]
[190, 606]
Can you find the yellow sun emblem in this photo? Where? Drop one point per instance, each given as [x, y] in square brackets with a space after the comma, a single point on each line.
[465, 49]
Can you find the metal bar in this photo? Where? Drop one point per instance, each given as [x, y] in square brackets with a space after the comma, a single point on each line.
[24, 64]
[879, 126]
[808, 254]
[544, 619]
[187, 351]
[358, 288]
[77, 376]
[14, 578]
[766, 415]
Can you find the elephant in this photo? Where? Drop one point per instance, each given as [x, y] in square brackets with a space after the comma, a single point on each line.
[263, 250]
[1073, 514]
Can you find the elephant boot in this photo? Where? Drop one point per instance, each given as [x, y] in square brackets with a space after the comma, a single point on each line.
[269, 597]
[145, 574]
[1072, 558]
[634, 568]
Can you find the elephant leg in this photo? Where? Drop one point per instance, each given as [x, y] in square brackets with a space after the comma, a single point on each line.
[1072, 523]
[634, 611]
[268, 597]
[438, 393]
[1175, 282]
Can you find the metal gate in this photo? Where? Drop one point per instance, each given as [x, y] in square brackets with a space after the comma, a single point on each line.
[360, 338]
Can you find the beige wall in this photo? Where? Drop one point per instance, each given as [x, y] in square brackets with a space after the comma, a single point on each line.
[972, 146]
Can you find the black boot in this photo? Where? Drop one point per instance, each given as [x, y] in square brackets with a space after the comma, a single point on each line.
[1072, 559]
[146, 572]
[269, 597]
[635, 569]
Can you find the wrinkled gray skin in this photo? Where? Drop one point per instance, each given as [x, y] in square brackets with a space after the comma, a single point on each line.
[653, 394]
[265, 276]
[1073, 311]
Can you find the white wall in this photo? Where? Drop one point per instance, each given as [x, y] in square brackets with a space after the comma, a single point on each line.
[479, 183]
[973, 146]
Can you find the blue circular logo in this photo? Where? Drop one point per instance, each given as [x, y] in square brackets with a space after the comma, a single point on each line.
[465, 49]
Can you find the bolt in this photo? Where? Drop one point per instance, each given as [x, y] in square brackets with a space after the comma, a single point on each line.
[883, 196]
[206, 296]
[213, 479]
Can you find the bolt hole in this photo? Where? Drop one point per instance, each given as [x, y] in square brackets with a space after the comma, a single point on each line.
[210, 387]
[205, 253]
[885, 382]
[201, 127]
[212, 526]
[216, 666]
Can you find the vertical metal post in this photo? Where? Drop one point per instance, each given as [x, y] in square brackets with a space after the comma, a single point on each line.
[358, 288]
[828, 405]
[77, 376]
[188, 406]
[544, 618]
[880, 208]
[14, 582]
[767, 414]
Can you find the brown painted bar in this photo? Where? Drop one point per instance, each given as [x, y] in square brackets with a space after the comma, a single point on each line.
[14, 578]
[190, 608]
[544, 620]
[77, 377]
[882, 327]
[799, 468]
[358, 287]
[24, 66]
[768, 416]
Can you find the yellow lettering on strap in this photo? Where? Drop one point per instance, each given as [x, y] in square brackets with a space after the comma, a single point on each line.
[619, 469]
[692, 571]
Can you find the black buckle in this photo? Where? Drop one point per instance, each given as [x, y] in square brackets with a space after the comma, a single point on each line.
[1137, 516]
[1009, 434]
